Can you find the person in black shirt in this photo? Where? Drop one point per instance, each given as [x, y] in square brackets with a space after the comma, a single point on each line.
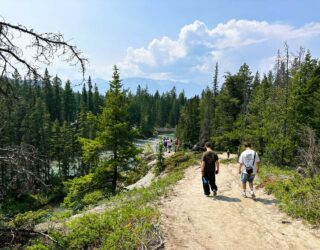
[209, 169]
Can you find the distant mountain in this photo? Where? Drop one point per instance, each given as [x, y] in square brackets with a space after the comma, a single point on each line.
[190, 89]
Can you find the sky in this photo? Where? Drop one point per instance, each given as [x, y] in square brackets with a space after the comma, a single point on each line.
[177, 40]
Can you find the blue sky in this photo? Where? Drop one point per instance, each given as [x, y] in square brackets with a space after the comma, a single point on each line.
[178, 40]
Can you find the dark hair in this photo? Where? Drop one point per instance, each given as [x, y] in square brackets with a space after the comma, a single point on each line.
[208, 145]
[247, 144]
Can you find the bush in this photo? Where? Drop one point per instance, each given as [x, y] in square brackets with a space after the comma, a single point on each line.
[297, 196]
[147, 149]
[37, 247]
[124, 228]
[29, 219]
[60, 215]
[93, 197]
[77, 189]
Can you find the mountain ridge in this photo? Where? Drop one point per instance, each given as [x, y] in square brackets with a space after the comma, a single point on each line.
[191, 89]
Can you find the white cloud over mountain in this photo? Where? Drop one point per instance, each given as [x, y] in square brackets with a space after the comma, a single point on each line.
[192, 55]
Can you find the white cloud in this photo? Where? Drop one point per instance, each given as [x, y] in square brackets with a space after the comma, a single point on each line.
[197, 48]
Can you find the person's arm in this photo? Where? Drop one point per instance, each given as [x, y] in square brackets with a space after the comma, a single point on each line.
[202, 167]
[240, 164]
[257, 159]
[217, 166]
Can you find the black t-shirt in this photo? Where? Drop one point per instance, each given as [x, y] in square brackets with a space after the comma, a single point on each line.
[210, 159]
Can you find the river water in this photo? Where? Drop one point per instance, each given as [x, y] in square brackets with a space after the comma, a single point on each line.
[141, 143]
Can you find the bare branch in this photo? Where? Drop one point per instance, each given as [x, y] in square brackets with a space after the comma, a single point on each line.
[20, 162]
[46, 46]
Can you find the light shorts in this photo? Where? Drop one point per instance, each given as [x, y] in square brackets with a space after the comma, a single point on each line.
[246, 177]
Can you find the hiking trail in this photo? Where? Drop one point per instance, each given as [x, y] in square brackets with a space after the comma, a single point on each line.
[190, 220]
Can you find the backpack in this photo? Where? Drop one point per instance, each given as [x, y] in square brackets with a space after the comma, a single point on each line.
[249, 169]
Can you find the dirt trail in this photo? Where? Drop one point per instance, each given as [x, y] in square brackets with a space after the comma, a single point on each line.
[191, 220]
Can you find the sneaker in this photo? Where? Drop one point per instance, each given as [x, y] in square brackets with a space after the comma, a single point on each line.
[207, 195]
[253, 194]
[243, 194]
[214, 192]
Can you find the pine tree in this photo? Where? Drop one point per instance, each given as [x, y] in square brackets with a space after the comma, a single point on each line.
[56, 144]
[114, 131]
[69, 105]
[96, 100]
[67, 149]
[90, 96]
[206, 116]
[57, 102]
[84, 98]
[189, 123]
[48, 94]
[215, 80]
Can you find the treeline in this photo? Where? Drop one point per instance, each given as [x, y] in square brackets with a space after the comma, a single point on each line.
[43, 125]
[273, 111]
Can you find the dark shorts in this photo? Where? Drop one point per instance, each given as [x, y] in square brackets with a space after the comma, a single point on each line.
[247, 177]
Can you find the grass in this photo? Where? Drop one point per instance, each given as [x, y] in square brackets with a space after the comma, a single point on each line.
[297, 196]
[131, 222]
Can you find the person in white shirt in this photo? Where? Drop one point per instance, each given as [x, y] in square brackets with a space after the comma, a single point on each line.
[248, 168]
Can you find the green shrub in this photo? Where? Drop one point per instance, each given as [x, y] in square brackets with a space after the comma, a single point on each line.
[12, 206]
[29, 219]
[147, 149]
[37, 247]
[60, 215]
[77, 189]
[93, 198]
[124, 228]
[296, 195]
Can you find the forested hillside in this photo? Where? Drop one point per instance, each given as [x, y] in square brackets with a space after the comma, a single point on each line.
[277, 111]
[45, 124]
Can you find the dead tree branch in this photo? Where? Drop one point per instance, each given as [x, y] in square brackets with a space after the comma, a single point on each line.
[46, 46]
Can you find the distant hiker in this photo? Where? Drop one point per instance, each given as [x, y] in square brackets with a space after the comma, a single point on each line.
[177, 144]
[228, 153]
[165, 143]
[248, 167]
[170, 142]
[209, 169]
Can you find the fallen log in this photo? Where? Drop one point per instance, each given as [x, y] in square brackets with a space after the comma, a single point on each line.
[11, 236]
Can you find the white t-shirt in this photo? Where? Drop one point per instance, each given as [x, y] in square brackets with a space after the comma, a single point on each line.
[246, 158]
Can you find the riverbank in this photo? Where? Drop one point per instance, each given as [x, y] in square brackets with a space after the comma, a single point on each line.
[132, 218]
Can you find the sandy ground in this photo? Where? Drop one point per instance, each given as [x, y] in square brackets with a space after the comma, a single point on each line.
[191, 220]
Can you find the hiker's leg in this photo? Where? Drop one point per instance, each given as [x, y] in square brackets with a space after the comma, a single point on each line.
[244, 179]
[251, 178]
[205, 184]
[212, 181]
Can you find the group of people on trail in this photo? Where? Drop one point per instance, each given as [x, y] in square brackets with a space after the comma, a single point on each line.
[248, 168]
[168, 143]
